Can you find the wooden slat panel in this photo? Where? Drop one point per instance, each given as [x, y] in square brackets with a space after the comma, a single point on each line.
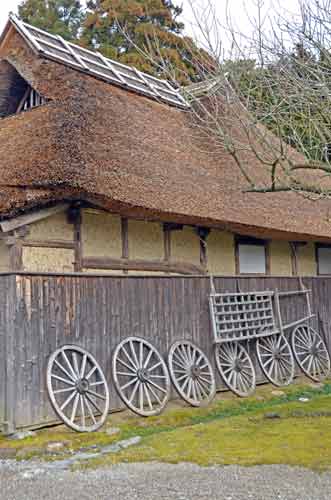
[98, 312]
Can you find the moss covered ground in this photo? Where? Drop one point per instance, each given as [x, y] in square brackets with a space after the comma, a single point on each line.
[291, 426]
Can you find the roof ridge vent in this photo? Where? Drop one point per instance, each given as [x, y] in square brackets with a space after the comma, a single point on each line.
[57, 49]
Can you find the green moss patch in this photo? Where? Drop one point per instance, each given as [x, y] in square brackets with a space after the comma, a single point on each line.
[267, 428]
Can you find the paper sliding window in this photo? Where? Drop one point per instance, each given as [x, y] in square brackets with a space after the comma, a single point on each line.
[251, 257]
[323, 253]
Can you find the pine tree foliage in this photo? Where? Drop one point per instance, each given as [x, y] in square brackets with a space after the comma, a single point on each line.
[61, 17]
[127, 30]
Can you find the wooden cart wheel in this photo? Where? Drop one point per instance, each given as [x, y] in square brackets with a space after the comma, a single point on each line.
[141, 376]
[310, 352]
[191, 373]
[276, 359]
[236, 368]
[77, 388]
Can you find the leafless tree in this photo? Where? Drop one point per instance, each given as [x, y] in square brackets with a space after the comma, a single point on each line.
[264, 96]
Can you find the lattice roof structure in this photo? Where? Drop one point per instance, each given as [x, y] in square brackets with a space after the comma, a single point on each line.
[94, 63]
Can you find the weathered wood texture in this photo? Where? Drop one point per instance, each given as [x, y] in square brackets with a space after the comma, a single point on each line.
[39, 313]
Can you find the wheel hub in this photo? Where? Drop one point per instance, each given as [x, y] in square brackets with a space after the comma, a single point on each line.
[276, 354]
[82, 386]
[237, 366]
[143, 374]
[195, 371]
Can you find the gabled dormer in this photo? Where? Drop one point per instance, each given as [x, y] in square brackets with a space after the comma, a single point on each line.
[16, 94]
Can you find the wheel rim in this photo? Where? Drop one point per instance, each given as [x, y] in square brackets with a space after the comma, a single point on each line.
[141, 376]
[310, 352]
[236, 368]
[276, 359]
[191, 373]
[77, 388]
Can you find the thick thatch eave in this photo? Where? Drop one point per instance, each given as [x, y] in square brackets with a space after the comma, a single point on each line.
[127, 153]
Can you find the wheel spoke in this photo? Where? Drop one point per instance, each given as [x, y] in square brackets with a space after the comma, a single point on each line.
[141, 397]
[83, 366]
[74, 407]
[125, 374]
[141, 355]
[75, 362]
[67, 389]
[132, 370]
[65, 381]
[134, 392]
[157, 386]
[159, 363]
[89, 409]
[64, 370]
[90, 373]
[129, 383]
[134, 366]
[202, 389]
[96, 394]
[154, 393]
[133, 352]
[82, 410]
[68, 400]
[93, 403]
[69, 365]
[148, 358]
[149, 402]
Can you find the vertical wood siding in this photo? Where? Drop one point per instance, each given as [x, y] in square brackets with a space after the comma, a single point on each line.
[39, 313]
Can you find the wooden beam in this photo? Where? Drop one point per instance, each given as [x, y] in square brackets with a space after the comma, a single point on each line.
[172, 226]
[16, 256]
[141, 265]
[22, 220]
[167, 243]
[125, 237]
[294, 257]
[203, 233]
[50, 244]
[77, 221]
[25, 96]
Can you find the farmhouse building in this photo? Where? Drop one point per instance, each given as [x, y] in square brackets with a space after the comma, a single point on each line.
[101, 172]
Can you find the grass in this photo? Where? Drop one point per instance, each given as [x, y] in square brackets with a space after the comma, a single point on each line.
[230, 431]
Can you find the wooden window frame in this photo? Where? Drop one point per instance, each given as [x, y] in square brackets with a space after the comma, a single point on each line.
[317, 247]
[247, 240]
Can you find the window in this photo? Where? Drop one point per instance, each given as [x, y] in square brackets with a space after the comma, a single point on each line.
[323, 255]
[31, 99]
[251, 256]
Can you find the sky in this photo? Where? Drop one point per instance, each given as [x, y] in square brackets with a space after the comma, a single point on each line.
[240, 10]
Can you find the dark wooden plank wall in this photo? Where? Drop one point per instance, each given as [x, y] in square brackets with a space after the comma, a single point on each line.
[98, 312]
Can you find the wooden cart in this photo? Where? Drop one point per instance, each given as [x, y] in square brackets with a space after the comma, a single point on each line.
[239, 319]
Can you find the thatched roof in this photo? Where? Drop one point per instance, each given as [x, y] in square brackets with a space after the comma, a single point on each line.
[125, 152]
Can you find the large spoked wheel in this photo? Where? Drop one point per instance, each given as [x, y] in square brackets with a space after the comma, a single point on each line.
[191, 373]
[141, 376]
[310, 352]
[77, 388]
[236, 368]
[276, 359]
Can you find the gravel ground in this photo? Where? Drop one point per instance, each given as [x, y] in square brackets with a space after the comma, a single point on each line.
[163, 481]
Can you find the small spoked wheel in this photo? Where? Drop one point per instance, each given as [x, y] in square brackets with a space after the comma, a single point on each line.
[77, 388]
[141, 376]
[236, 368]
[276, 359]
[191, 373]
[310, 352]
